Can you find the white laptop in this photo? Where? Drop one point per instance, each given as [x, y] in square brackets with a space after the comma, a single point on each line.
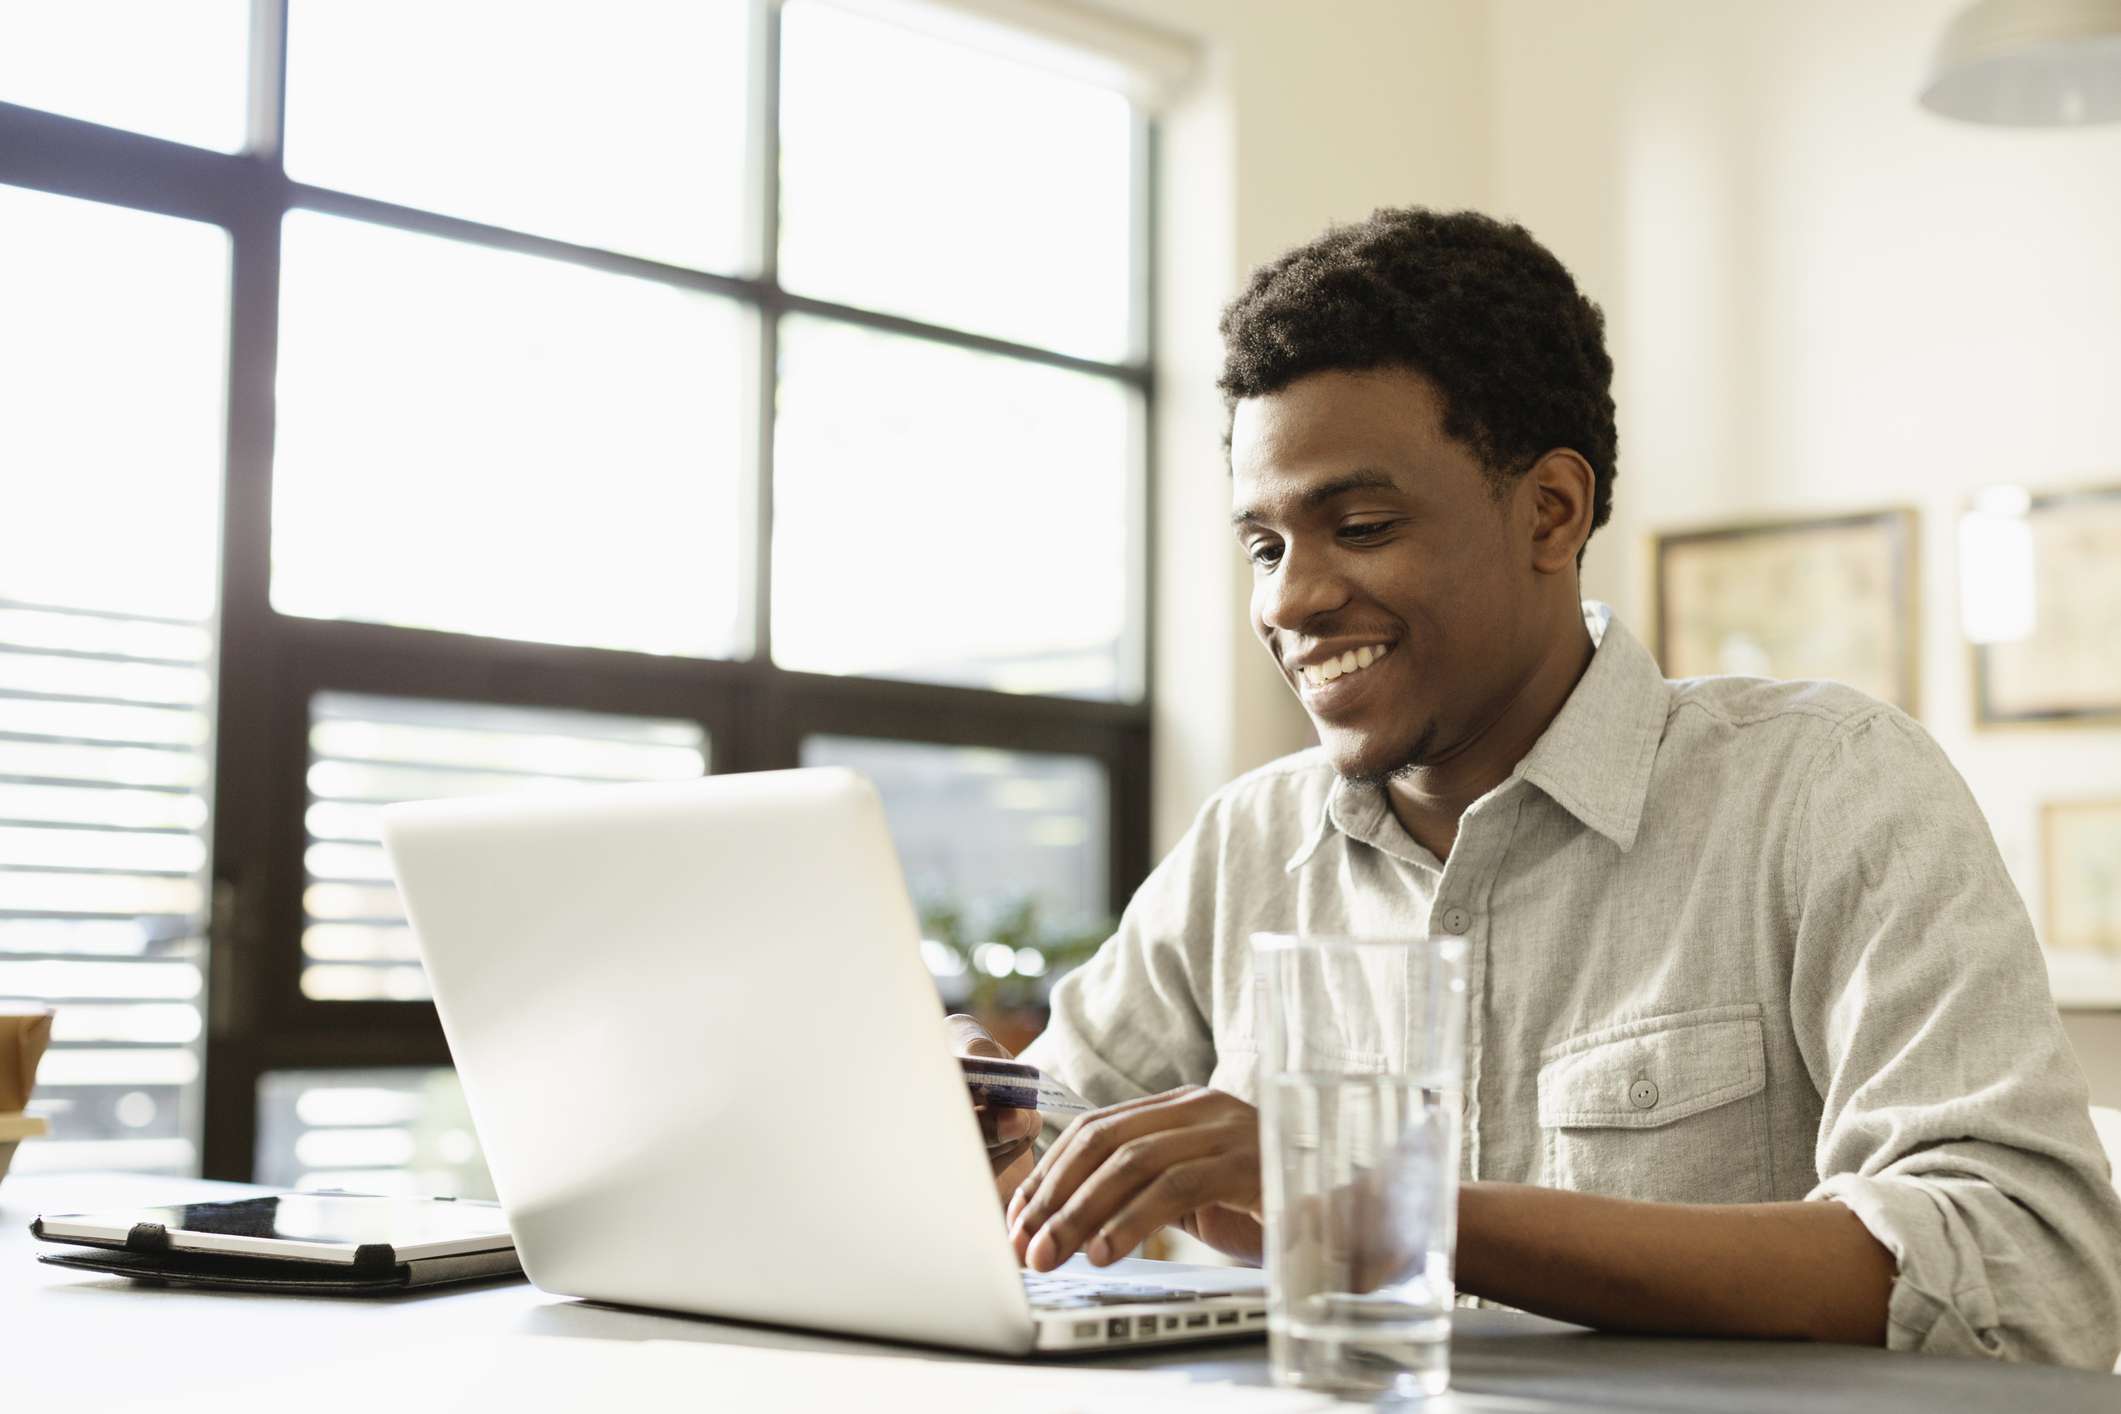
[710, 1073]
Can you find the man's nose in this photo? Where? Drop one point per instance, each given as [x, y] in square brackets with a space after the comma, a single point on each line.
[1302, 587]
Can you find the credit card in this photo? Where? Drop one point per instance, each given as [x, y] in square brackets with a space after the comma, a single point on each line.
[1015, 1085]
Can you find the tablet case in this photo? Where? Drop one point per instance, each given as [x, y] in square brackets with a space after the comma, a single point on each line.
[376, 1270]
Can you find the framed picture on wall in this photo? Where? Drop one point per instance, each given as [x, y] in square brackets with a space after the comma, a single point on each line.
[2080, 845]
[1831, 597]
[2064, 667]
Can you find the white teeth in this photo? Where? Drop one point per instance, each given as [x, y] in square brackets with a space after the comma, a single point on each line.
[1354, 660]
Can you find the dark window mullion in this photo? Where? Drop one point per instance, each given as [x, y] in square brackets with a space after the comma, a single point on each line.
[247, 866]
[442, 655]
[1132, 374]
[349, 1035]
[245, 826]
[77, 158]
[712, 701]
[1129, 799]
[480, 233]
[885, 699]
[387, 659]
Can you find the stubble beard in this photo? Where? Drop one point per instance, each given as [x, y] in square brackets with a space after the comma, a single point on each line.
[1410, 761]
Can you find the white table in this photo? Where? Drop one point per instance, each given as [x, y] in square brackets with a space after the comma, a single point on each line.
[74, 1340]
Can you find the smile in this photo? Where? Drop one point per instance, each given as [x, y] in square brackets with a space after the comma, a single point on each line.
[1354, 660]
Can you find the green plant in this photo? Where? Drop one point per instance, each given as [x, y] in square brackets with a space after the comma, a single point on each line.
[1016, 928]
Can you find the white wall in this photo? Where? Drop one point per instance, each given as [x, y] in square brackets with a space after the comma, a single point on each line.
[1821, 296]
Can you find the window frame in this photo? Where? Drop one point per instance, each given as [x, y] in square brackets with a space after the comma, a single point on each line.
[270, 665]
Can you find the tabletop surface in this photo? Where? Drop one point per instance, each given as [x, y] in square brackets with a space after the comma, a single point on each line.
[76, 1340]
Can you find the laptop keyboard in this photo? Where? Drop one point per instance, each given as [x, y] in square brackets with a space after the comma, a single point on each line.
[1049, 1292]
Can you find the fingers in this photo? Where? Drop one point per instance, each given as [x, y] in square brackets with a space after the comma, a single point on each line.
[1189, 1186]
[1153, 1180]
[1008, 1131]
[1109, 1158]
[1061, 1146]
[969, 1038]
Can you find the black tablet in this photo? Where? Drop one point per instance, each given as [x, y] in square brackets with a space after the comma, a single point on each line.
[336, 1228]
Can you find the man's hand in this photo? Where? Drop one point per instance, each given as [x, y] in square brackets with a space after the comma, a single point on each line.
[1188, 1156]
[1009, 1132]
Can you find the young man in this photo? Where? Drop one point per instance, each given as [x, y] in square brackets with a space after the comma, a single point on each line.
[1773, 901]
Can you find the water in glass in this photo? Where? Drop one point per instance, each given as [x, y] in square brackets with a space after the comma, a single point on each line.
[1364, 1173]
[1360, 1113]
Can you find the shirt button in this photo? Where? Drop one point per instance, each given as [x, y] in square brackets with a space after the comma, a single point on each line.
[1642, 1095]
[1456, 920]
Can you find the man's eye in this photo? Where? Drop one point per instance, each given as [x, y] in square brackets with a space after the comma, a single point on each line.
[1368, 530]
[1264, 553]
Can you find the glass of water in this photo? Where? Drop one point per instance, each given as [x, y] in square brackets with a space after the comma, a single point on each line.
[1362, 1066]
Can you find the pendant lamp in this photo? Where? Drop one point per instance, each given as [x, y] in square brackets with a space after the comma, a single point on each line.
[2029, 64]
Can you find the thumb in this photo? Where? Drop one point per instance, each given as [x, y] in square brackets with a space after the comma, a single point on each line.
[969, 1038]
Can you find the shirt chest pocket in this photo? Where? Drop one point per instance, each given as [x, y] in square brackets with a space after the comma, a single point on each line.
[1667, 1109]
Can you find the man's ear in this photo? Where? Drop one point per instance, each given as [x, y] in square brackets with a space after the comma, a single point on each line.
[1558, 491]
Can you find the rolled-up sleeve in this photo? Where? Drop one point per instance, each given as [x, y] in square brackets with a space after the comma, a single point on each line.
[1956, 1122]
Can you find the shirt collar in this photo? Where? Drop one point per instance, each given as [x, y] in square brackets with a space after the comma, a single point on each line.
[1361, 813]
[1594, 758]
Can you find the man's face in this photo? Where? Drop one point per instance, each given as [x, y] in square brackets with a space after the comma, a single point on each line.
[1372, 533]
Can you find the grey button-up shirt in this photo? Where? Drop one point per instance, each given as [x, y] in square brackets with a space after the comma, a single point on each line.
[1730, 940]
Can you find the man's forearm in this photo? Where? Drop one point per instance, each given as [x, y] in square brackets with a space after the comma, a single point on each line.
[1798, 1271]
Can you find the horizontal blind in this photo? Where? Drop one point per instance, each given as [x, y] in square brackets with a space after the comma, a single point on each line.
[105, 725]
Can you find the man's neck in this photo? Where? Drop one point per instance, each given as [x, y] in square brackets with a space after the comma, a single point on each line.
[1430, 799]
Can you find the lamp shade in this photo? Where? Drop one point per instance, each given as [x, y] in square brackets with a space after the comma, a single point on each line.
[2029, 64]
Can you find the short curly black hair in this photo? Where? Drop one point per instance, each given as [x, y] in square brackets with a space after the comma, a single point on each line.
[1473, 304]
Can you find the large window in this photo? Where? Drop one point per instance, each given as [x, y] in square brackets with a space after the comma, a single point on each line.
[644, 389]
